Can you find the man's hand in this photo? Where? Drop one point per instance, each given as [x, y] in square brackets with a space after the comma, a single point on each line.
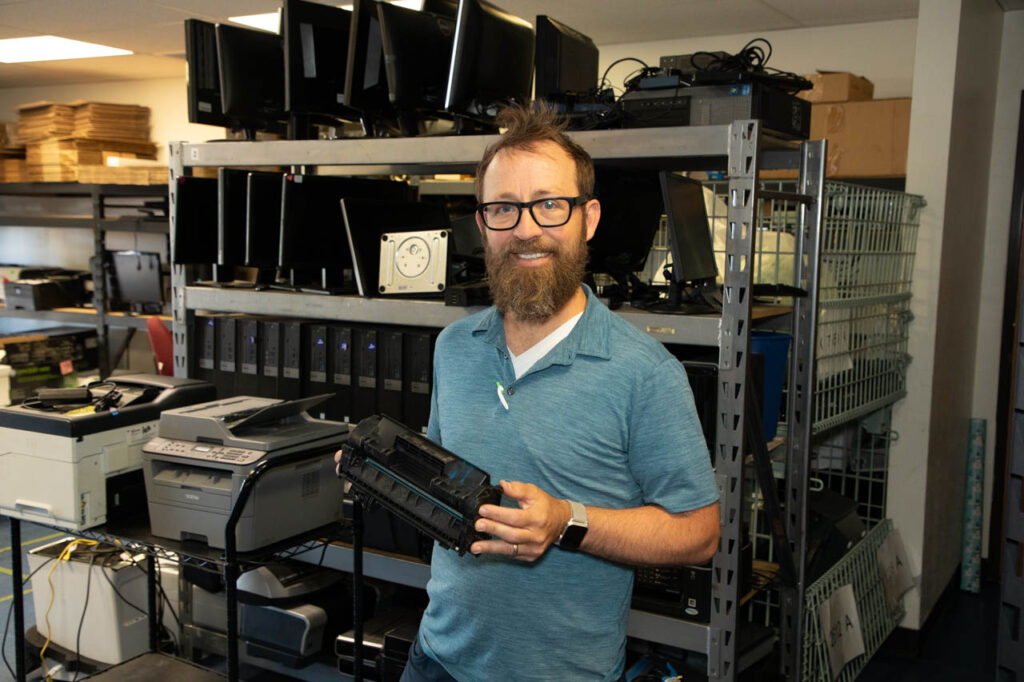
[524, 533]
[337, 463]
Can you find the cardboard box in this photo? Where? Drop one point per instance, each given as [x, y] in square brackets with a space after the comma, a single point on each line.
[837, 86]
[865, 139]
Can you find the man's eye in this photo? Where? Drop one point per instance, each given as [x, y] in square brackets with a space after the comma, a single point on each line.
[504, 209]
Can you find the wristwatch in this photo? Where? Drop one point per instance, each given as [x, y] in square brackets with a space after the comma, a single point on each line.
[576, 529]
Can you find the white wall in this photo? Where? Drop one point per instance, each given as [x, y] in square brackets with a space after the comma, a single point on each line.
[883, 52]
[948, 162]
[169, 121]
[997, 227]
[165, 98]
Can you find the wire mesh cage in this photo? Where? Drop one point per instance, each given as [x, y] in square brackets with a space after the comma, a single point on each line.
[859, 568]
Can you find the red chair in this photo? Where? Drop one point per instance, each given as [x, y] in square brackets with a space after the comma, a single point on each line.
[162, 341]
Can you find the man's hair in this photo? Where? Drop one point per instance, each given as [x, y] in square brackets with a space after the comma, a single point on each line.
[528, 127]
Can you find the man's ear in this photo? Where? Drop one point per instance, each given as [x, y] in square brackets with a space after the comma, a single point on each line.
[591, 216]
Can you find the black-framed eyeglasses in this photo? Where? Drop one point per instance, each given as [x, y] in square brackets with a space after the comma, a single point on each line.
[546, 212]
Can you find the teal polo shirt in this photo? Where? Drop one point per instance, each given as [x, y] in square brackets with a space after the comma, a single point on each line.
[606, 418]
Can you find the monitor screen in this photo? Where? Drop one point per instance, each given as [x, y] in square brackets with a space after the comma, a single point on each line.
[366, 86]
[312, 230]
[137, 279]
[232, 200]
[366, 220]
[417, 47]
[492, 60]
[689, 237]
[315, 55]
[195, 221]
[566, 60]
[263, 218]
[202, 76]
[631, 209]
[251, 77]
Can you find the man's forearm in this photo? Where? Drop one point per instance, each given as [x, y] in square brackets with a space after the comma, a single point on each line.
[650, 536]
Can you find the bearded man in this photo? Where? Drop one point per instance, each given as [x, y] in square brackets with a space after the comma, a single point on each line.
[588, 423]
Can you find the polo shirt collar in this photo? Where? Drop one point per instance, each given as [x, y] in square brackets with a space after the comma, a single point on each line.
[588, 337]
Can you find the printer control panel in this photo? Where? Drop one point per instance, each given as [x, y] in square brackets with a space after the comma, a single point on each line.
[207, 452]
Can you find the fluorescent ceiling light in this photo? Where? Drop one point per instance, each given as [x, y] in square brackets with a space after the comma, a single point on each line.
[271, 21]
[48, 48]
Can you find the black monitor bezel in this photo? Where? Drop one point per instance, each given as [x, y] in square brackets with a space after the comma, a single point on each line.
[203, 104]
[556, 44]
[324, 93]
[238, 49]
[366, 220]
[476, 25]
[156, 284]
[195, 199]
[689, 235]
[263, 204]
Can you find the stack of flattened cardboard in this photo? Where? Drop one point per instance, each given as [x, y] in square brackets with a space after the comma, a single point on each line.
[12, 156]
[44, 121]
[99, 121]
[72, 142]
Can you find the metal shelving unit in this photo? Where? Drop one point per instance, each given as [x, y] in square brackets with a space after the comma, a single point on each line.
[103, 202]
[742, 149]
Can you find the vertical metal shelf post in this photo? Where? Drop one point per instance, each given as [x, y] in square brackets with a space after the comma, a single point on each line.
[799, 405]
[734, 351]
[182, 318]
[99, 282]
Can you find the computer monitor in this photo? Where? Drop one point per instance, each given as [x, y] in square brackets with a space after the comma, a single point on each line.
[366, 220]
[315, 56]
[491, 63]
[251, 78]
[366, 84]
[202, 75]
[195, 221]
[417, 47]
[232, 201]
[689, 236]
[137, 281]
[566, 61]
[631, 209]
[263, 191]
[313, 245]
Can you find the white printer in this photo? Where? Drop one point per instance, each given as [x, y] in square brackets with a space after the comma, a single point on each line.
[195, 470]
[71, 464]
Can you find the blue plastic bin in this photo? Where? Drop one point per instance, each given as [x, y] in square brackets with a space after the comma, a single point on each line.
[775, 349]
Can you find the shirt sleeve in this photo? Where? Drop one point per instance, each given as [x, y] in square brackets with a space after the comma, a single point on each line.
[667, 453]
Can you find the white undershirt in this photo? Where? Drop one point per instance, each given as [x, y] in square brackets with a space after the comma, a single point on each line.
[529, 357]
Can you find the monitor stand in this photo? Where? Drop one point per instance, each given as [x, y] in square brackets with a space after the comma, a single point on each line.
[333, 282]
[702, 299]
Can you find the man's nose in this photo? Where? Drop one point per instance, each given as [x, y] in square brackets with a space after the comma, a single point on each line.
[527, 227]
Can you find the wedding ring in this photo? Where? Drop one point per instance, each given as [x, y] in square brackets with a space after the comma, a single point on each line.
[515, 550]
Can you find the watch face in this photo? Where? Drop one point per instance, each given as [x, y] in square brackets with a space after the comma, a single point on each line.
[572, 537]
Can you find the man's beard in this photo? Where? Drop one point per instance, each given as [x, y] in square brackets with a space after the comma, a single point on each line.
[534, 294]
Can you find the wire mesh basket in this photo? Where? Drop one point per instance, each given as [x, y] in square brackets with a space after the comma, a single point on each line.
[868, 242]
[859, 567]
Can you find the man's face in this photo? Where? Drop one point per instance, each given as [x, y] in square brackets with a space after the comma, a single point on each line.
[534, 271]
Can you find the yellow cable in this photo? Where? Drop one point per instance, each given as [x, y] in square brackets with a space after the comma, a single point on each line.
[65, 555]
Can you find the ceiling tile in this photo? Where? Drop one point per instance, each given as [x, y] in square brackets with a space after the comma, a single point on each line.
[71, 18]
[835, 12]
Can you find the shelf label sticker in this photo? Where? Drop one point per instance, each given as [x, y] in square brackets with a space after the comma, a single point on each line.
[66, 367]
[841, 625]
[894, 567]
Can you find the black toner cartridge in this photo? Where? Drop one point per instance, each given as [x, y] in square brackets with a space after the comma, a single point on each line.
[419, 481]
